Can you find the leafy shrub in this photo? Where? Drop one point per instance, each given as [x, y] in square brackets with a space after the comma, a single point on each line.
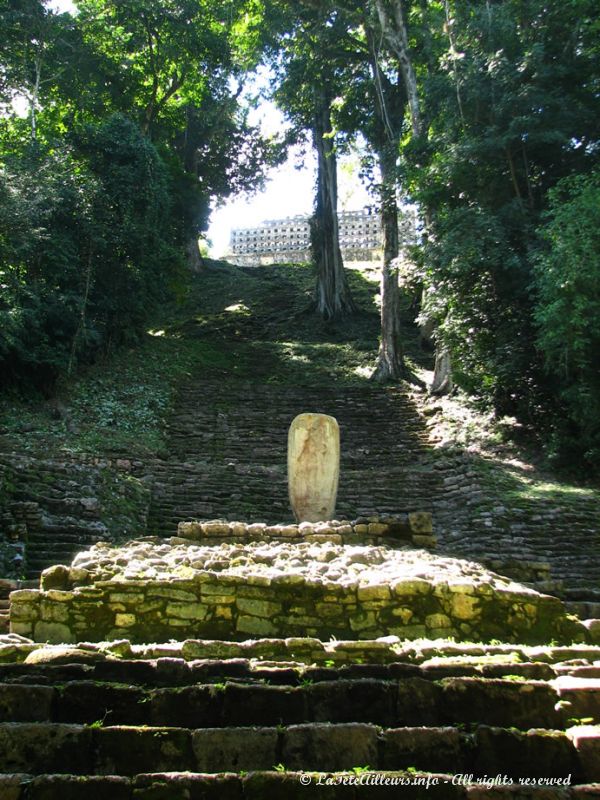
[86, 248]
[567, 312]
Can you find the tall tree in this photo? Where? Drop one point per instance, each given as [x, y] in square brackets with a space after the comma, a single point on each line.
[138, 126]
[309, 81]
[178, 66]
[390, 102]
[333, 293]
[394, 23]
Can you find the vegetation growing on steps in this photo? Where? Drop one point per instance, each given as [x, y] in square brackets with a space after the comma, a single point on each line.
[238, 324]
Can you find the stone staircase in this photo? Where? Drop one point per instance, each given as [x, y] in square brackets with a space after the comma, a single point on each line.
[275, 718]
[58, 507]
[228, 454]
[227, 459]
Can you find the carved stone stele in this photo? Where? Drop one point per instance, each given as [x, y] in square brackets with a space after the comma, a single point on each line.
[313, 466]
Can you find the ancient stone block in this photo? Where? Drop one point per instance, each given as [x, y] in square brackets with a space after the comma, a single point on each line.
[427, 749]
[255, 626]
[171, 593]
[44, 747]
[53, 632]
[216, 528]
[20, 612]
[56, 577]
[59, 596]
[186, 611]
[376, 529]
[20, 703]
[24, 596]
[234, 749]
[189, 530]
[54, 612]
[326, 747]
[256, 528]
[438, 621]
[582, 694]
[186, 707]
[86, 702]
[531, 754]
[417, 702]
[126, 750]
[500, 702]
[374, 592]
[370, 701]
[411, 586]
[124, 620]
[464, 606]
[262, 705]
[586, 740]
[258, 608]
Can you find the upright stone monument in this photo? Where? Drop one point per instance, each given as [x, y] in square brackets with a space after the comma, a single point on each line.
[313, 466]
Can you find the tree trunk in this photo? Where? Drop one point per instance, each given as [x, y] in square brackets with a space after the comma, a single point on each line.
[194, 259]
[442, 374]
[333, 298]
[427, 323]
[397, 38]
[390, 360]
[33, 99]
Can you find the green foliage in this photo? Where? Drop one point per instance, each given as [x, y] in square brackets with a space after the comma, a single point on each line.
[481, 303]
[134, 126]
[567, 312]
[76, 227]
[509, 101]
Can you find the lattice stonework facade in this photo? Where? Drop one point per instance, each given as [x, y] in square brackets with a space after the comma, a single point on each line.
[361, 239]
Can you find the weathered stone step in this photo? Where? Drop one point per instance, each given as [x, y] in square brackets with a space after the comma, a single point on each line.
[78, 664]
[40, 748]
[4, 615]
[174, 672]
[408, 702]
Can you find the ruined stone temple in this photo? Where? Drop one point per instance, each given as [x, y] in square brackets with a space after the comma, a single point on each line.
[280, 240]
[181, 637]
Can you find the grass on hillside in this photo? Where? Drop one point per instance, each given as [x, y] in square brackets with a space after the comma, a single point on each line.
[231, 324]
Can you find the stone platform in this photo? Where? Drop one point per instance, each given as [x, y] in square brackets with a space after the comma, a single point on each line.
[305, 583]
